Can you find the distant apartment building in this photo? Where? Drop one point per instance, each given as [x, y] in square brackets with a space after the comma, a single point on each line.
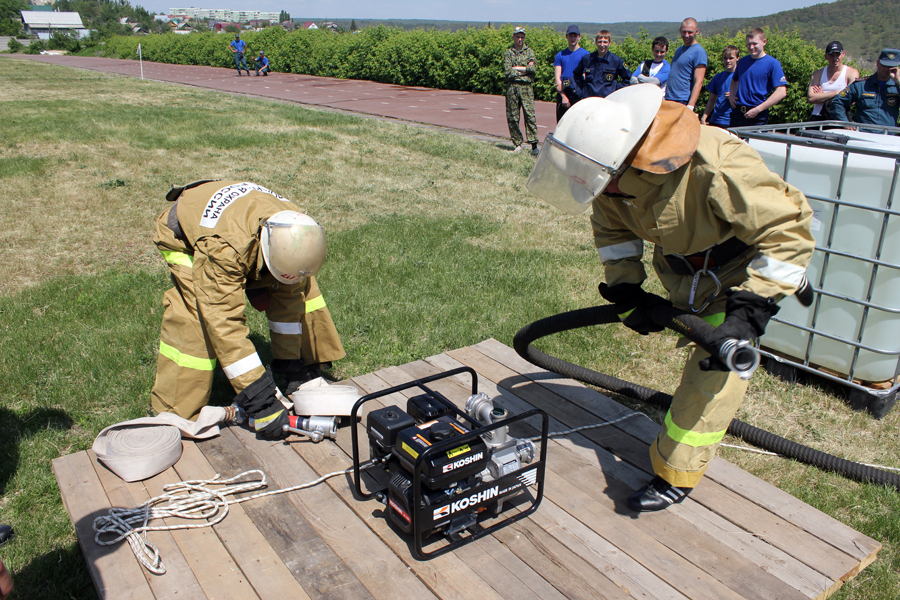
[222, 14]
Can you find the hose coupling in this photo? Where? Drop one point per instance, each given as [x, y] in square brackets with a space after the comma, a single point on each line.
[739, 356]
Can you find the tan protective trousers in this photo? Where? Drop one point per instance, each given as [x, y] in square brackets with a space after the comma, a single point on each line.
[702, 408]
[705, 401]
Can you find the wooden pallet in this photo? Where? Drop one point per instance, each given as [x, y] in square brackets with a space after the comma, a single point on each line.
[735, 537]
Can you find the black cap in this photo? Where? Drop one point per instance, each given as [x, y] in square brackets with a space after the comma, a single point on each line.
[890, 57]
[573, 29]
[834, 48]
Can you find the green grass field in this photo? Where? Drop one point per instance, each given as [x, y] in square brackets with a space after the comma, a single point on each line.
[434, 244]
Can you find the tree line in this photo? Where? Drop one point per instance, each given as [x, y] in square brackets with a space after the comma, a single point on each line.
[466, 60]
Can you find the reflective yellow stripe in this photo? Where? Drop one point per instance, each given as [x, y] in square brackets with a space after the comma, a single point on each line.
[624, 315]
[692, 438]
[265, 421]
[714, 320]
[184, 360]
[315, 303]
[175, 257]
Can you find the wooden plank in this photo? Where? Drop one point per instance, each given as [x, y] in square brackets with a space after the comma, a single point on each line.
[115, 572]
[269, 577]
[567, 572]
[487, 552]
[178, 580]
[860, 548]
[773, 499]
[707, 553]
[312, 562]
[377, 568]
[736, 479]
[619, 567]
[217, 572]
[779, 563]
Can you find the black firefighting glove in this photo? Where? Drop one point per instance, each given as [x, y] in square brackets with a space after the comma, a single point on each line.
[296, 373]
[746, 317]
[635, 305]
[259, 401]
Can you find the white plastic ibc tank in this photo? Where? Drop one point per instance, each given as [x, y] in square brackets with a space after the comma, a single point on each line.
[867, 181]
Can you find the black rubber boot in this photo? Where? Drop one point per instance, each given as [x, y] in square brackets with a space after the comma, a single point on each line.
[659, 494]
[6, 534]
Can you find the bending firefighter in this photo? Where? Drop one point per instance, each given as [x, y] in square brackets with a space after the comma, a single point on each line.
[731, 240]
[226, 243]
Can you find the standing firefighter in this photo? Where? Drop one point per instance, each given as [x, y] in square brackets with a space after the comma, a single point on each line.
[731, 240]
[226, 242]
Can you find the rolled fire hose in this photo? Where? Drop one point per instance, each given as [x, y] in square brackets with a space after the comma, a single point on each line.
[141, 448]
[697, 330]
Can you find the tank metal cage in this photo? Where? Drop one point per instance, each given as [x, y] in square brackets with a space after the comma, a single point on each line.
[828, 135]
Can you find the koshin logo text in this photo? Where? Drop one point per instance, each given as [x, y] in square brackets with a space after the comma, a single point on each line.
[462, 462]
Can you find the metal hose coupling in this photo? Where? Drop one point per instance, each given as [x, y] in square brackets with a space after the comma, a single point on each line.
[739, 356]
[234, 414]
[315, 428]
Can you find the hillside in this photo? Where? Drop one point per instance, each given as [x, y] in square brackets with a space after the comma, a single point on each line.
[864, 27]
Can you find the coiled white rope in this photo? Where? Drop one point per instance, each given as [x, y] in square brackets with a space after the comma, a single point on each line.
[192, 499]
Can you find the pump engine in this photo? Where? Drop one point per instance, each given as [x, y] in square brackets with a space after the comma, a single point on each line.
[447, 471]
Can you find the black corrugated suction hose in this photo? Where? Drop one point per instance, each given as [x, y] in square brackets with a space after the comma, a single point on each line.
[699, 331]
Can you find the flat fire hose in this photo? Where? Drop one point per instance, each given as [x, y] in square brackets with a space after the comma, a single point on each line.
[141, 448]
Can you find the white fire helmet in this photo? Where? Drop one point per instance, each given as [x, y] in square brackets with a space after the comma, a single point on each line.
[590, 145]
[293, 246]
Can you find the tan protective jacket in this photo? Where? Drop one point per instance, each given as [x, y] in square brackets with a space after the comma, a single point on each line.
[725, 191]
[221, 221]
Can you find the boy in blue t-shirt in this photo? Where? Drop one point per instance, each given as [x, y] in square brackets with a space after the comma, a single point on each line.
[563, 65]
[755, 76]
[261, 63]
[718, 108]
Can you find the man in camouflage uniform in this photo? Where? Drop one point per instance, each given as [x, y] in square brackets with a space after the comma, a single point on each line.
[518, 66]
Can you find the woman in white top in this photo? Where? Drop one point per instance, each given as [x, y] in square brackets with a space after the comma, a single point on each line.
[827, 82]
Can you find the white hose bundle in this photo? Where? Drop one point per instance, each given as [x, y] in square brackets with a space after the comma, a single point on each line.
[141, 448]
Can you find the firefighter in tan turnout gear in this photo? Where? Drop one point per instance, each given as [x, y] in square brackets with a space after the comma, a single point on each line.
[731, 240]
[226, 242]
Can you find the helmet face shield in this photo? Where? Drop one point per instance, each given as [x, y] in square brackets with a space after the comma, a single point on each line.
[566, 178]
[293, 246]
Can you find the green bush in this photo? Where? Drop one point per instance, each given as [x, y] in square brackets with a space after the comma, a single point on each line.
[467, 60]
[36, 47]
[15, 45]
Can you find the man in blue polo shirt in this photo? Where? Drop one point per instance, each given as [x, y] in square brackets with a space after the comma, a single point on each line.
[755, 76]
[600, 73]
[563, 66]
[237, 47]
[877, 97]
[688, 67]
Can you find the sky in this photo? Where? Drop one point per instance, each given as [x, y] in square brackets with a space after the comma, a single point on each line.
[497, 11]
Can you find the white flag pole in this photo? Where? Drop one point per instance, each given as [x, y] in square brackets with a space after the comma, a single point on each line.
[141, 58]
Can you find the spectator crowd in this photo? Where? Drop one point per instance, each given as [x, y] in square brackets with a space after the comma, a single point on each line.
[741, 95]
